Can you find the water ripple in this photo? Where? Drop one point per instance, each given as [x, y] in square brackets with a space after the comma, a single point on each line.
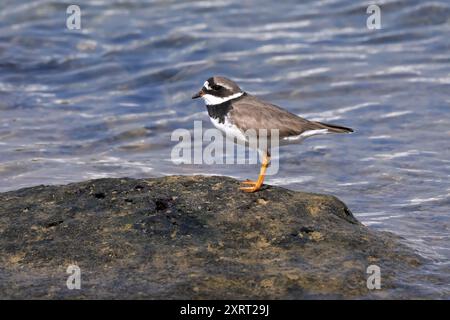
[103, 101]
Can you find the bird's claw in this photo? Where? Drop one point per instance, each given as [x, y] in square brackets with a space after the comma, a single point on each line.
[253, 186]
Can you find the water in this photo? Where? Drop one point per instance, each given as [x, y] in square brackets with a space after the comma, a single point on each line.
[103, 101]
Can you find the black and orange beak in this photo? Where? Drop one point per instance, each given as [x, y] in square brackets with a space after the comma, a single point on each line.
[198, 94]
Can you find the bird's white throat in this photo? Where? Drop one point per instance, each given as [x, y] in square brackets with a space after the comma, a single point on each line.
[213, 100]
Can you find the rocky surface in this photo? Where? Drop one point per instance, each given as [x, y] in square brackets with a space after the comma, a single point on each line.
[191, 237]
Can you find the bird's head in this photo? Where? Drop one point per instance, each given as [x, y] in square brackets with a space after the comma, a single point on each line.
[217, 90]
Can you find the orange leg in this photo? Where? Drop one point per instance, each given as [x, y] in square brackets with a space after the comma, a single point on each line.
[256, 185]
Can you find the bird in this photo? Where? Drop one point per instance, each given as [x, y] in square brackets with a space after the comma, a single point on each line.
[234, 111]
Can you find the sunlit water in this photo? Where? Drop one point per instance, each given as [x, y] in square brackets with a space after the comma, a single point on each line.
[103, 101]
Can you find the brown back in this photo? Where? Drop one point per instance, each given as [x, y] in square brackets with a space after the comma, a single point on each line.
[253, 113]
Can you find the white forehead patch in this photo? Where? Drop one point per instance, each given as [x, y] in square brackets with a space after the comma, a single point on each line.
[206, 85]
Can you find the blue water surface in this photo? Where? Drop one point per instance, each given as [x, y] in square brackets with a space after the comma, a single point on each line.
[103, 101]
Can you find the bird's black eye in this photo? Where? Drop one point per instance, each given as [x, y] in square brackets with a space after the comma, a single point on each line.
[216, 87]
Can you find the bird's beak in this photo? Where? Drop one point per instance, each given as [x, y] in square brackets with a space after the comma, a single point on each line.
[198, 94]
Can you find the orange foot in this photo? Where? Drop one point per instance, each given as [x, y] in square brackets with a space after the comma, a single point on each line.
[252, 186]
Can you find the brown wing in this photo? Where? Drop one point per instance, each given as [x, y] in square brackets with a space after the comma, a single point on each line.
[253, 113]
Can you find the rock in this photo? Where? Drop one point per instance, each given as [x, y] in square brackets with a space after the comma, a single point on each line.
[195, 237]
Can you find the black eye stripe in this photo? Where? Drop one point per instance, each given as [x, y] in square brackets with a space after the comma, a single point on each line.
[214, 87]
[216, 90]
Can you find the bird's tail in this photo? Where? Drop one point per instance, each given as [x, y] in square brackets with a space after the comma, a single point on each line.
[333, 128]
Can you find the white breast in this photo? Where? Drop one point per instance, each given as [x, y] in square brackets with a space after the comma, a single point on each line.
[229, 129]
